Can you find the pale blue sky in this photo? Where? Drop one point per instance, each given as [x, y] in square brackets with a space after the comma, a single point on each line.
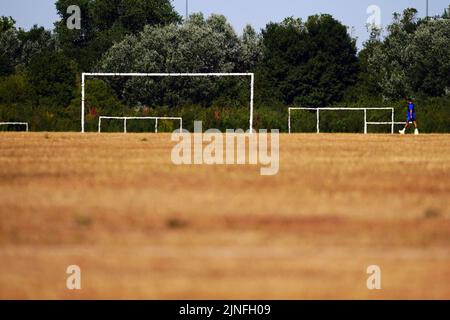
[241, 12]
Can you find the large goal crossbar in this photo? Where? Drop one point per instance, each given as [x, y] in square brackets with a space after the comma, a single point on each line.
[392, 123]
[15, 123]
[125, 119]
[85, 75]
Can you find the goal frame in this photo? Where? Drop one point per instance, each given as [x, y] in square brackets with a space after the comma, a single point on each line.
[366, 123]
[85, 75]
[16, 123]
[125, 120]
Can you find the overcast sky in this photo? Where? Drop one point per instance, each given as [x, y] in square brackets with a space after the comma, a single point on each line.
[241, 12]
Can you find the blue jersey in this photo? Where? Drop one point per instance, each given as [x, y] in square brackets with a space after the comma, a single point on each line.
[411, 111]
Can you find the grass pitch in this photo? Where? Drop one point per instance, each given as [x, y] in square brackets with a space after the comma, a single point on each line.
[141, 227]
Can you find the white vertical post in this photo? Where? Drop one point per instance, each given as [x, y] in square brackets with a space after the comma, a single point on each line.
[26, 125]
[289, 120]
[99, 124]
[318, 120]
[156, 125]
[181, 125]
[82, 101]
[252, 86]
[365, 121]
[124, 125]
[392, 127]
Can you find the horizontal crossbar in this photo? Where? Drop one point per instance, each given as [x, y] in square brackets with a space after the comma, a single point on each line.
[142, 118]
[352, 109]
[386, 122]
[167, 74]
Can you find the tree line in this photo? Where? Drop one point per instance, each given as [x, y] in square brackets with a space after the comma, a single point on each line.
[308, 63]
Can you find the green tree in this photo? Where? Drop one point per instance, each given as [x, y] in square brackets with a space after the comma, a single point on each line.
[9, 46]
[105, 22]
[52, 78]
[446, 14]
[310, 63]
[34, 41]
[414, 57]
[6, 23]
[18, 46]
[251, 50]
[367, 86]
[14, 89]
[429, 53]
[199, 45]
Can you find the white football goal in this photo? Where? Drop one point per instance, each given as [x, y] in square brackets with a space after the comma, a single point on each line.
[24, 124]
[86, 75]
[391, 123]
[126, 119]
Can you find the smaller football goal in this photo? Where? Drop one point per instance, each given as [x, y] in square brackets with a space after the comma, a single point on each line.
[365, 111]
[20, 124]
[127, 119]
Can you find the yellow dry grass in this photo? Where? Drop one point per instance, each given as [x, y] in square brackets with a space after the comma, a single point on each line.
[141, 227]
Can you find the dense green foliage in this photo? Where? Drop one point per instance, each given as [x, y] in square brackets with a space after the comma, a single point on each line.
[197, 46]
[311, 63]
[105, 22]
[414, 59]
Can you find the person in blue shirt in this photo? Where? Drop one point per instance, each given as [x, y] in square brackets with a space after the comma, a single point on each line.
[410, 117]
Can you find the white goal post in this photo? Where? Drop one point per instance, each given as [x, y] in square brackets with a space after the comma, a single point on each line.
[392, 123]
[125, 120]
[85, 75]
[25, 124]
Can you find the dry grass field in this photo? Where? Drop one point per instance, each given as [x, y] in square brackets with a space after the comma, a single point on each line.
[140, 227]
